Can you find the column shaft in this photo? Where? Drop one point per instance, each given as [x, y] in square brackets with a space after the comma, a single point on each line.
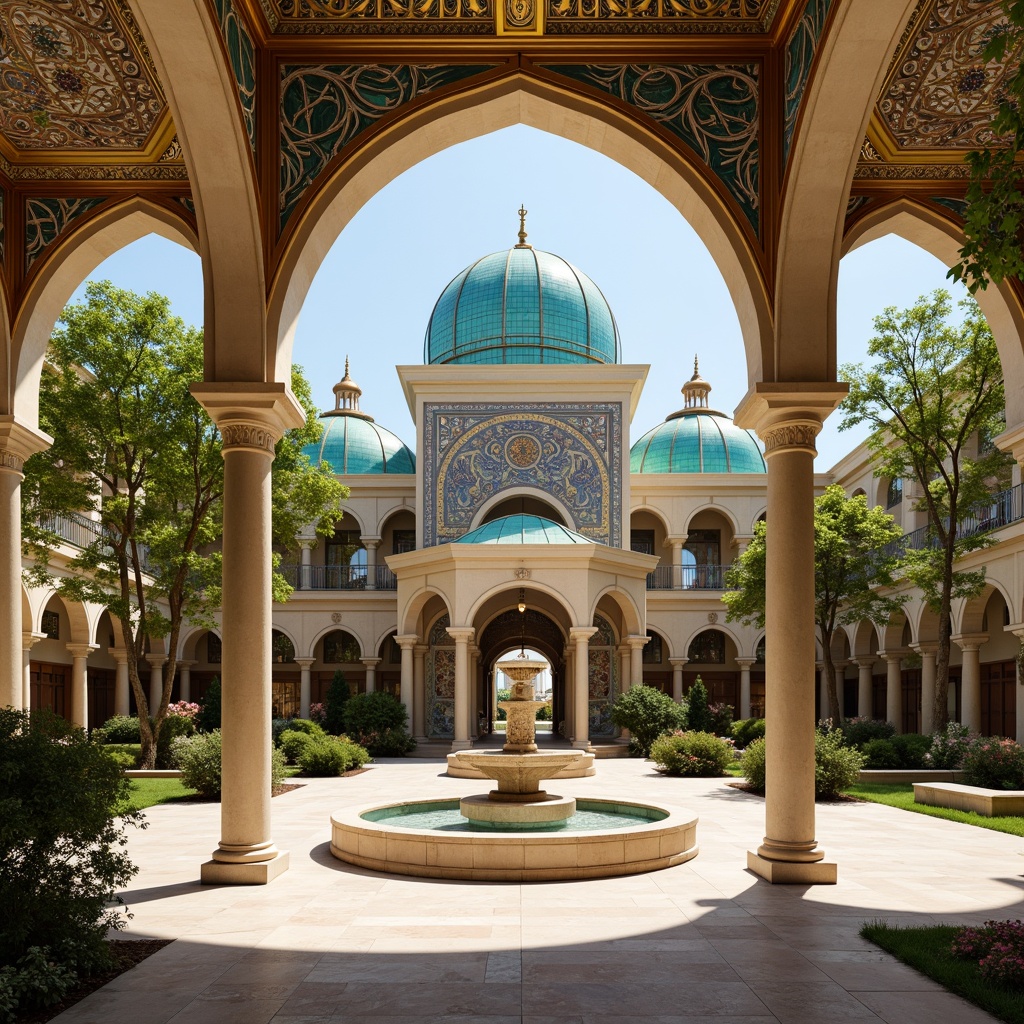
[893, 691]
[122, 684]
[305, 685]
[156, 681]
[462, 637]
[408, 644]
[80, 683]
[927, 724]
[419, 695]
[864, 686]
[677, 678]
[744, 664]
[580, 638]
[11, 670]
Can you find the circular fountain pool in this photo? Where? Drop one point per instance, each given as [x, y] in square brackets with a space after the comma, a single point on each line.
[432, 839]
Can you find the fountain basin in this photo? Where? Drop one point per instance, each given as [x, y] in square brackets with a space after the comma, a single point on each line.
[583, 767]
[373, 837]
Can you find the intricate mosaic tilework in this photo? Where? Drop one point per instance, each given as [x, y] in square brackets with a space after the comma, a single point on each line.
[713, 109]
[640, 17]
[958, 206]
[440, 681]
[602, 678]
[466, 451]
[242, 55]
[46, 219]
[799, 57]
[324, 107]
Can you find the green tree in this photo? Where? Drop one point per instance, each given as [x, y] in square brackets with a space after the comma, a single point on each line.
[208, 718]
[994, 220]
[854, 553]
[338, 694]
[698, 714]
[933, 396]
[646, 712]
[134, 450]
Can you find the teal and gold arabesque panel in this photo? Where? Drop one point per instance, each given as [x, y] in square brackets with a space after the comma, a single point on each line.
[800, 50]
[47, 219]
[242, 55]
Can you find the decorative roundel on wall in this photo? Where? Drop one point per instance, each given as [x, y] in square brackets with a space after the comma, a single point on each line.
[523, 451]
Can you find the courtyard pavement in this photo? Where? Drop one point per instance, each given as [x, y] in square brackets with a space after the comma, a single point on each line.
[707, 941]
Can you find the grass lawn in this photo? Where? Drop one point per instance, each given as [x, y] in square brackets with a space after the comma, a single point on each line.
[147, 792]
[902, 795]
[927, 951]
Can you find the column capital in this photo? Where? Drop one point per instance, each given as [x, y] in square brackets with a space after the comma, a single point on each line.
[1012, 441]
[368, 662]
[894, 655]
[407, 640]
[788, 416]
[156, 660]
[927, 649]
[18, 442]
[301, 662]
[250, 415]
[581, 633]
[29, 640]
[371, 542]
[421, 649]
[120, 655]
[461, 634]
[1016, 628]
[308, 543]
[864, 660]
[745, 662]
[969, 641]
[181, 663]
[81, 650]
[636, 643]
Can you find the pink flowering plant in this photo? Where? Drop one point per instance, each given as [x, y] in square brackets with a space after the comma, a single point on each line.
[998, 948]
[318, 713]
[183, 709]
[949, 748]
[995, 764]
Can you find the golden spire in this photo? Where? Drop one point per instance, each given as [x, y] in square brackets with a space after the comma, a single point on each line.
[696, 371]
[522, 244]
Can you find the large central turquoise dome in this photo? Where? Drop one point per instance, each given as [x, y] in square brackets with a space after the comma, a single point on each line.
[521, 306]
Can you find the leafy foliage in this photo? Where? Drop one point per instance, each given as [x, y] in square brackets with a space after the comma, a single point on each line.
[646, 712]
[949, 747]
[836, 766]
[121, 729]
[746, 730]
[208, 718]
[994, 764]
[853, 556]
[199, 759]
[698, 713]
[933, 396]
[752, 764]
[859, 731]
[377, 721]
[293, 743]
[692, 754]
[62, 855]
[332, 756]
[338, 695]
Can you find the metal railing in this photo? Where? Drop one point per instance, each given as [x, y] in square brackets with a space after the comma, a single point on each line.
[338, 577]
[80, 532]
[687, 577]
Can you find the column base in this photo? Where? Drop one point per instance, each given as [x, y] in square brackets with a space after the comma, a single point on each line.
[787, 872]
[462, 745]
[259, 872]
[584, 745]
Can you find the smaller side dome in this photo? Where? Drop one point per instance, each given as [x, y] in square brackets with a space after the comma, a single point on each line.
[522, 529]
[352, 443]
[697, 439]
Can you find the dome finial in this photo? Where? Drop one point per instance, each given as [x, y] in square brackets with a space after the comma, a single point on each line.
[346, 395]
[522, 244]
[696, 371]
[696, 391]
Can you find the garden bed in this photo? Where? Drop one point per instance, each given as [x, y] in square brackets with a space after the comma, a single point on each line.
[988, 802]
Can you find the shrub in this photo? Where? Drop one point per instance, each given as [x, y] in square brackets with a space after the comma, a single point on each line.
[331, 756]
[318, 712]
[995, 764]
[746, 730]
[199, 756]
[836, 766]
[499, 713]
[544, 713]
[307, 726]
[293, 743]
[858, 731]
[62, 855]
[172, 727]
[121, 729]
[879, 754]
[377, 721]
[692, 754]
[949, 748]
[646, 712]
[132, 750]
[911, 747]
[721, 717]
[123, 760]
[183, 709]
[998, 947]
[338, 695]
[698, 714]
[208, 718]
[752, 764]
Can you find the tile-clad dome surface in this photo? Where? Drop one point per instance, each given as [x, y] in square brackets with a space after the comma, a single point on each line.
[353, 443]
[522, 529]
[521, 306]
[697, 442]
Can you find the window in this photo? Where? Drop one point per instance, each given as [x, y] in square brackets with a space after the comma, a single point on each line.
[642, 541]
[708, 648]
[212, 649]
[759, 655]
[340, 648]
[705, 546]
[403, 540]
[346, 560]
[51, 625]
[282, 649]
[652, 649]
[894, 495]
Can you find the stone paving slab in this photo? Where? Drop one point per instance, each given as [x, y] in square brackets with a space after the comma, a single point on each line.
[702, 942]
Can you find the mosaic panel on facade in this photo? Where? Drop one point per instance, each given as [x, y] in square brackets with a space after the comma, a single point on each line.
[75, 75]
[713, 109]
[324, 107]
[46, 219]
[602, 678]
[800, 52]
[242, 55]
[941, 93]
[440, 681]
[476, 451]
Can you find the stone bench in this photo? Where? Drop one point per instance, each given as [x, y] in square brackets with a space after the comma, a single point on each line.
[988, 802]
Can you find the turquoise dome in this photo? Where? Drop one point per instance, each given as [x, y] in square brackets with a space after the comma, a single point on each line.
[355, 444]
[701, 442]
[521, 529]
[521, 306]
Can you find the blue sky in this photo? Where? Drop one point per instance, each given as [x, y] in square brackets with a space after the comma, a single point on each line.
[375, 291]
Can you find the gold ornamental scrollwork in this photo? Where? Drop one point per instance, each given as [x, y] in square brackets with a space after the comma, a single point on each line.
[11, 462]
[248, 435]
[793, 435]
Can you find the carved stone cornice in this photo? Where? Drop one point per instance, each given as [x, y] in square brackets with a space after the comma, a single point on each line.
[252, 436]
[250, 416]
[791, 437]
[17, 443]
[584, 633]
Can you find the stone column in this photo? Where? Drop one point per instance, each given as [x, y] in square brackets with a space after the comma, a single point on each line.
[788, 417]
[864, 664]
[251, 418]
[970, 678]
[17, 443]
[636, 659]
[676, 570]
[893, 688]
[819, 668]
[1018, 632]
[419, 692]
[305, 685]
[371, 544]
[371, 673]
[744, 664]
[185, 680]
[80, 683]
[569, 704]
[462, 635]
[407, 642]
[306, 546]
[28, 641]
[928, 652]
[622, 652]
[677, 679]
[474, 691]
[579, 637]
[156, 680]
[122, 684]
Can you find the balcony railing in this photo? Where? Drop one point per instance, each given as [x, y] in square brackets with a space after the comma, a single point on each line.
[80, 532]
[339, 577]
[687, 577]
